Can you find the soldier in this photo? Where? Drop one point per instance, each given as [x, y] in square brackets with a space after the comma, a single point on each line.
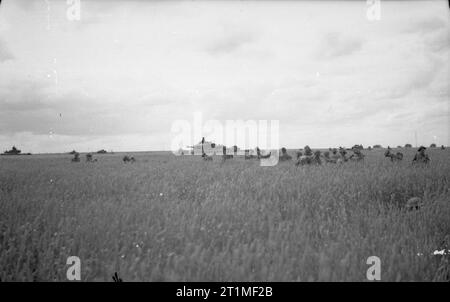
[259, 155]
[317, 159]
[343, 154]
[284, 156]
[76, 157]
[127, 158]
[333, 159]
[357, 155]
[420, 156]
[308, 151]
[335, 156]
[312, 158]
[395, 157]
[207, 157]
[90, 158]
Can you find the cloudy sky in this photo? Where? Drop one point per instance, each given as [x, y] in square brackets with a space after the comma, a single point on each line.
[120, 76]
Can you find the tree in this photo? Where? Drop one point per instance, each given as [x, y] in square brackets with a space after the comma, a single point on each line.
[13, 151]
[408, 146]
[377, 146]
[433, 145]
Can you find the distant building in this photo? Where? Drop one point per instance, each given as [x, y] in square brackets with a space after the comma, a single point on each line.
[211, 148]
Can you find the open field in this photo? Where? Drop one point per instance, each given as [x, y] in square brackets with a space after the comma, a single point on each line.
[168, 218]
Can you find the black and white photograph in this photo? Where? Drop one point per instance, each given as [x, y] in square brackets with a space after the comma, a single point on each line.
[224, 141]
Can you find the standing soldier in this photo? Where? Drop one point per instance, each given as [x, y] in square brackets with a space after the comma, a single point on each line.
[203, 142]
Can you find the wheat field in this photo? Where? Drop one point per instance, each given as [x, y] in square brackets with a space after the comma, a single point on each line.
[178, 218]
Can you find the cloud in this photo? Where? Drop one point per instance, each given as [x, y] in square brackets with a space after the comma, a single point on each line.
[5, 53]
[337, 45]
[34, 107]
[426, 25]
[434, 32]
[169, 60]
[27, 5]
[438, 41]
[231, 43]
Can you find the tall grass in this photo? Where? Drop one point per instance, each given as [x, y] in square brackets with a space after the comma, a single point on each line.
[168, 218]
